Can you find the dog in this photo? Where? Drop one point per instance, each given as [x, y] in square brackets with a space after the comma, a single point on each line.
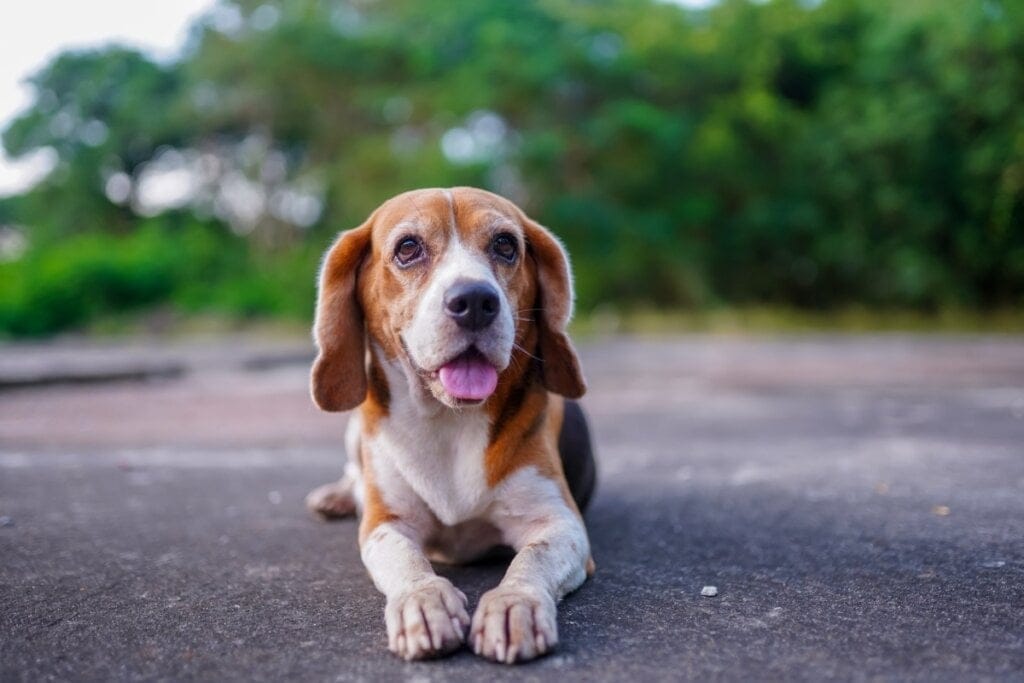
[442, 319]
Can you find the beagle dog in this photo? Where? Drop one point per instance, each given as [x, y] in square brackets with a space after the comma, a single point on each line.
[442, 319]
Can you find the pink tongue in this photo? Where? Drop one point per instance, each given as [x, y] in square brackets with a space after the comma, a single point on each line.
[469, 377]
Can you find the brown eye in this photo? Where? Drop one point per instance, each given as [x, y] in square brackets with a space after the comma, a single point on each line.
[409, 249]
[505, 246]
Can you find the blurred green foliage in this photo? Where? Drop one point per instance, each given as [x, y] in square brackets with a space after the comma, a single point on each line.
[796, 153]
[196, 267]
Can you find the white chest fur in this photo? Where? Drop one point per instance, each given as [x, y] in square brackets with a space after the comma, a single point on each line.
[440, 459]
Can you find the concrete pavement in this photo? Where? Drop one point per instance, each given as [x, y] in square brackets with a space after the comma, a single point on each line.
[858, 502]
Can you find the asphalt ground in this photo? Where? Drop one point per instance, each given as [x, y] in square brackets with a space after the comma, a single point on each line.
[857, 501]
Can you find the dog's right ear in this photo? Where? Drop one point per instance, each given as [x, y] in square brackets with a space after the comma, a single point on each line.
[338, 380]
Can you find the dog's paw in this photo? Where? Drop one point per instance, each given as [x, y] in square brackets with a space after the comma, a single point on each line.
[332, 501]
[428, 620]
[513, 624]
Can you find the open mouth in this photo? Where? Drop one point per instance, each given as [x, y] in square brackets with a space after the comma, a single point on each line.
[469, 376]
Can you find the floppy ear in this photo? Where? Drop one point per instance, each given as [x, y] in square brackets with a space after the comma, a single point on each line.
[560, 366]
[338, 380]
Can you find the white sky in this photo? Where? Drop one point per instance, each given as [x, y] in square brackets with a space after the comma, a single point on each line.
[33, 31]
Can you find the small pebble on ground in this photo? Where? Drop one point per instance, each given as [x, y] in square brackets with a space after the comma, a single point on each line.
[709, 591]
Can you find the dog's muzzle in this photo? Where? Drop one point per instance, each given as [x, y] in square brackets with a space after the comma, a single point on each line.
[472, 305]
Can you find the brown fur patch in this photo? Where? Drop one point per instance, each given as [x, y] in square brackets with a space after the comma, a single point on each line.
[561, 369]
[338, 380]
[552, 428]
[375, 510]
[521, 443]
[378, 396]
[508, 408]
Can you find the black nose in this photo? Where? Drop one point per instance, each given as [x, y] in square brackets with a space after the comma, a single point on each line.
[473, 305]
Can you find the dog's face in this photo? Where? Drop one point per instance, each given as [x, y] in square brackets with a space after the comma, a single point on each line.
[446, 288]
[449, 285]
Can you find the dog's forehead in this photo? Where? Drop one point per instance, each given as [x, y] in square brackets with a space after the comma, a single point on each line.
[477, 210]
[465, 211]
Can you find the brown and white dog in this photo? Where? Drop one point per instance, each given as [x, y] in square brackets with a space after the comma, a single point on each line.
[442, 318]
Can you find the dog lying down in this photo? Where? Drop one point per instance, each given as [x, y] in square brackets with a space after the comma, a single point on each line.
[442, 319]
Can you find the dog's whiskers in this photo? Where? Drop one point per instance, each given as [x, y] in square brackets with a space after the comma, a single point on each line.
[517, 346]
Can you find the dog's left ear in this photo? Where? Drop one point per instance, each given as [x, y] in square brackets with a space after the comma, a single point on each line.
[560, 366]
[338, 380]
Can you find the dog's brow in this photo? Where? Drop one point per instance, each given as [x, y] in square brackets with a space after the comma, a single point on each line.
[499, 220]
[407, 225]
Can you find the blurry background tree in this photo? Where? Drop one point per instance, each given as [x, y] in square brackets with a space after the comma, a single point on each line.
[788, 153]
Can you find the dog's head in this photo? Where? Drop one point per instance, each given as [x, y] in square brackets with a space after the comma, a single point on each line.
[454, 287]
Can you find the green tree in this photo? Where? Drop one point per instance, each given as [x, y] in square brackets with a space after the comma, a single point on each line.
[812, 154]
[102, 112]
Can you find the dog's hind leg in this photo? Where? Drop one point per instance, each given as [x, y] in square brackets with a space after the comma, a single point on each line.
[335, 500]
[341, 498]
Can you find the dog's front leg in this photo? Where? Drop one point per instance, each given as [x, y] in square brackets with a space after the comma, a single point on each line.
[425, 614]
[517, 620]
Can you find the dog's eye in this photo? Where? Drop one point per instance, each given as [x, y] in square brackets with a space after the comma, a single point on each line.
[505, 246]
[408, 250]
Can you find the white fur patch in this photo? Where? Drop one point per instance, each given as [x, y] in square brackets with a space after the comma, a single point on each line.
[425, 614]
[354, 465]
[518, 620]
[433, 338]
[437, 457]
[549, 536]
[451, 210]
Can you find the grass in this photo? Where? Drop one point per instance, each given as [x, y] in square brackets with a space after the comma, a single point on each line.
[166, 321]
[766, 320]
